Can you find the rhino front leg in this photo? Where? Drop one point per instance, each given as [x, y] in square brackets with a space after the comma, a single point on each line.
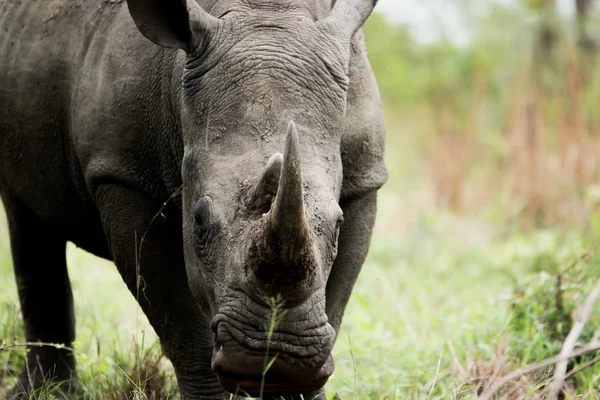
[161, 288]
[46, 302]
[354, 240]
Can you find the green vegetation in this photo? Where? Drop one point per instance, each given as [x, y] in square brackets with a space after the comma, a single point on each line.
[485, 240]
[433, 312]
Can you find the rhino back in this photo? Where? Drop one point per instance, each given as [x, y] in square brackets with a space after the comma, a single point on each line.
[80, 96]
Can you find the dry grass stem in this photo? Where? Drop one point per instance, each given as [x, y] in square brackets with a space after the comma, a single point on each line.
[581, 319]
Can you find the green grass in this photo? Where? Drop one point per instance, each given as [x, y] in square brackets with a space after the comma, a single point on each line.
[113, 336]
[436, 299]
[440, 301]
[443, 300]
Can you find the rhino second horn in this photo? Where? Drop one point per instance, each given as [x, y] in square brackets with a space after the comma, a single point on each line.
[287, 216]
[264, 191]
[272, 171]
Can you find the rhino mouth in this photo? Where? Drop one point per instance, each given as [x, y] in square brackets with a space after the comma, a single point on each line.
[237, 377]
[253, 388]
[294, 357]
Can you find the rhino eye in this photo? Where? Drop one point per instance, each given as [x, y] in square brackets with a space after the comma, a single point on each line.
[337, 214]
[203, 223]
[202, 210]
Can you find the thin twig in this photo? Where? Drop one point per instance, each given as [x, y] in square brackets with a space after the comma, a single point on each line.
[583, 366]
[13, 346]
[581, 318]
[143, 240]
[461, 369]
[437, 374]
[592, 346]
[138, 261]
[498, 365]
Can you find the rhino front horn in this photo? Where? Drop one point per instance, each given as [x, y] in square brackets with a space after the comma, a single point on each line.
[282, 258]
[287, 216]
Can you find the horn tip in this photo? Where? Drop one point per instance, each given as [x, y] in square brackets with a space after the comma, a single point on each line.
[276, 159]
[292, 129]
[292, 135]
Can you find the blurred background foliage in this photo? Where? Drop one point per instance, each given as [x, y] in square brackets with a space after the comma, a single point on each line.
[508, 121]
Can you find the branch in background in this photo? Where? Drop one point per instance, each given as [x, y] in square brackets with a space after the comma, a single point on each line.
[583, 8]
[596, 335]
[583, 366]
[581, 318]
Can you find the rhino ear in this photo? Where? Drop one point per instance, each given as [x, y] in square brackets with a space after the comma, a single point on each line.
[172, 23]
[348, 16]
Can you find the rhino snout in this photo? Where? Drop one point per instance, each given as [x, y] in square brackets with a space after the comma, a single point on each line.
[294, 355]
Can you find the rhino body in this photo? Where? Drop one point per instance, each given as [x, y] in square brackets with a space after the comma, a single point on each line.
[151, 133]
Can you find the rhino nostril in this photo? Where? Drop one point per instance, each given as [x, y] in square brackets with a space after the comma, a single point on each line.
[218, 369]
[272, 273]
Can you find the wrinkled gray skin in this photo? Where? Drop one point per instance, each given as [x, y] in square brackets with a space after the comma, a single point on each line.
[100, 127]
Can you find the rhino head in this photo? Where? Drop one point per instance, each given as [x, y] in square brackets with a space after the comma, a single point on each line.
[262, 99]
